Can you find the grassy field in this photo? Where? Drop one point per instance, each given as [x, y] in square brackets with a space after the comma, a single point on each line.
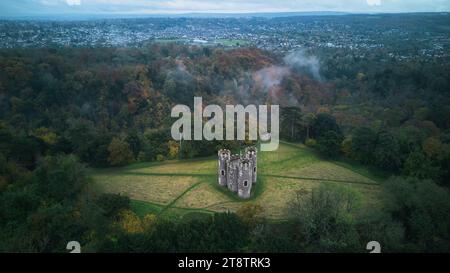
[232, 42]
[165, 41]
[189, 188]
[223, 42]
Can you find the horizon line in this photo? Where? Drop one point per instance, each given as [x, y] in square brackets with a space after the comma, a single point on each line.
[206, 14]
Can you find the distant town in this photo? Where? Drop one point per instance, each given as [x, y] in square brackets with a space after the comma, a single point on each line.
[397, 35]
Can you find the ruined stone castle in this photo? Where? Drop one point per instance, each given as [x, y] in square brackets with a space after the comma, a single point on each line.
[238, 172]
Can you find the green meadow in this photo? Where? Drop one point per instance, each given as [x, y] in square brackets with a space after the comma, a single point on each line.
[189, 188]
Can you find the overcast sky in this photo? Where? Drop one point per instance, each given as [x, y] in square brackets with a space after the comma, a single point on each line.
[30, 7]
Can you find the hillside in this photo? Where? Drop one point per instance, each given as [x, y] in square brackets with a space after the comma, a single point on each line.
[176, 188]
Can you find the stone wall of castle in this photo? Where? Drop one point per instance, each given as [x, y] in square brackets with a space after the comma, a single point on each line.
[238, 172]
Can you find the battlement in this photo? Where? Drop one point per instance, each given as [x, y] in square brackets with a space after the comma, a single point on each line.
[238, 172]
[235, 157]
[245, 163]
[251, 154]
[224, 157]
[224, 153]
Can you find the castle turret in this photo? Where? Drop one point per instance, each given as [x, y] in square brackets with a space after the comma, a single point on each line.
[233, 173]
[250, 153]
[245, 178]
[238, 172]
[224, 157]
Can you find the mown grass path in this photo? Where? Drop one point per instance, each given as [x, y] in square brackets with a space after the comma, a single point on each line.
[180, 196]
[187, 186]
[322, 179]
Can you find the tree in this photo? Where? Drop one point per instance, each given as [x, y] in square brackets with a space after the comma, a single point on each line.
[444, 160]
[149, 221]
[170, 87]
[323, 124]
[419, 166]
[130, 223]
[307, 121]
[364, 141]
[155, 143]
[323, 218]
[346, 146]
[135, 143]
[291, 120]
[387, 152]
[432, 147]
[189, 149]
[174, 149]
[46, 135]
[81, 134]
[119, 152]
[379, 224]
[112, 204]
[60, 177]
[19, 148]
[251, 214]
[99, 150]
[49, 227]
[46, 210]
[424, 209]
[329, 143]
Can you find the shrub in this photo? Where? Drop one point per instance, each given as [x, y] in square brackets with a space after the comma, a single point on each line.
[310, 142]
[119, 153]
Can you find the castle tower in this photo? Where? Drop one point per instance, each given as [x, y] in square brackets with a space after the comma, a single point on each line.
[224, 157]
[245, 178]
[250, 153]
[233, 173]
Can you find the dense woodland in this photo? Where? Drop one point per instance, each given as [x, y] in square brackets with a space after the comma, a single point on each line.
[65, 110]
